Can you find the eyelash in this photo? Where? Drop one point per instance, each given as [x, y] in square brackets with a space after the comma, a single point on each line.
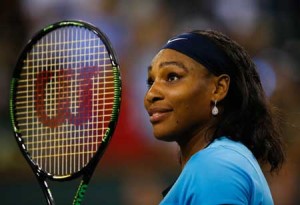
[149, 82]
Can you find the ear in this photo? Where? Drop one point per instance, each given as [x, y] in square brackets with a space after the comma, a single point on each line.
[222, 83]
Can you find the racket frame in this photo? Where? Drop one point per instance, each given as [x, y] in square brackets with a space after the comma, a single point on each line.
[87, 171]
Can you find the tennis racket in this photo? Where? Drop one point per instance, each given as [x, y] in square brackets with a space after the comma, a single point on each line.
[64, 103]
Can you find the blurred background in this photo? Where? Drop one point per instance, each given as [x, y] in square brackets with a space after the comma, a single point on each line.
[136, 167]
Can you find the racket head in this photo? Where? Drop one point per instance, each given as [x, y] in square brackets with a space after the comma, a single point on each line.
[65, 99]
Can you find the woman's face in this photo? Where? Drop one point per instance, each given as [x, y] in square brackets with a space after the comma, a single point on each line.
[179, 97]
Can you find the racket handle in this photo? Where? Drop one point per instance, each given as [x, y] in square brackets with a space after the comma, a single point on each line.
[80, 193]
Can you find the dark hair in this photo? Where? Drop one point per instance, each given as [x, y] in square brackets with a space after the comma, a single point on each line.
[247, 117]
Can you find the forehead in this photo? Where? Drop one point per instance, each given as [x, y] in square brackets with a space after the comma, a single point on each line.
[165, 56]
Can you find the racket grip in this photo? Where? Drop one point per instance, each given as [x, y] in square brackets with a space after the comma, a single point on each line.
[80, 193]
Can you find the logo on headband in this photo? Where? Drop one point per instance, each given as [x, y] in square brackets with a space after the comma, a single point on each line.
[176, 39]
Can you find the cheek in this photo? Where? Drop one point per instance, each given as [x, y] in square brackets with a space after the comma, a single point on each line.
[195, 108]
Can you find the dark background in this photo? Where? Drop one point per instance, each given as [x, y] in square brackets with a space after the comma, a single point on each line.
[136, 167]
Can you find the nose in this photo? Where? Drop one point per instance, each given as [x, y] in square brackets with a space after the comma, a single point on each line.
[154, 93]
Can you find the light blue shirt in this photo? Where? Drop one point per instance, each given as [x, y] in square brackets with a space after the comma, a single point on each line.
[225, 172]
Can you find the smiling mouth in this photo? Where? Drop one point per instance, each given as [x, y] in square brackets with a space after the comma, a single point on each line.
[157, 115]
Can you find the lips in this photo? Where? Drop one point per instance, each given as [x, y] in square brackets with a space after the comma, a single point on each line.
[157, 114]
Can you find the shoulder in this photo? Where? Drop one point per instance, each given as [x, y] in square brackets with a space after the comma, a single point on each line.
[223, 173]
[224, 154]
[224, 161]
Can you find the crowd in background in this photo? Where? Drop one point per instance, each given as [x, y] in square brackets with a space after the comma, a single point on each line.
[136, 167]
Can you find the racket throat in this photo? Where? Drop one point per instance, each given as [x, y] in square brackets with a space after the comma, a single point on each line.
[46, 191]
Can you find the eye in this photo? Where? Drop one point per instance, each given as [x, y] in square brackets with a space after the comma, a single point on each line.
[172, 77]
[150, 82]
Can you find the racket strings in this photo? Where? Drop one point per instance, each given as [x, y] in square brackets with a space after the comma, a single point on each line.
[65, 99]
[56, 64]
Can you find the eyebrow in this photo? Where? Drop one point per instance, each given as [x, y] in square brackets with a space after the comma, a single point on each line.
[167, 63]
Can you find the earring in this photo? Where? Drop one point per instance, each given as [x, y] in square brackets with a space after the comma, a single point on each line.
[215, 110]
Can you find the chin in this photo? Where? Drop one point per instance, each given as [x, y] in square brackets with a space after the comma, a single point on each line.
[164, 136]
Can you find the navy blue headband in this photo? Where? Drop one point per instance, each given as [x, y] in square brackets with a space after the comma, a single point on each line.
[203, 50]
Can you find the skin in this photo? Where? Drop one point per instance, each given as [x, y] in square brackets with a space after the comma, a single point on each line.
[179, 100]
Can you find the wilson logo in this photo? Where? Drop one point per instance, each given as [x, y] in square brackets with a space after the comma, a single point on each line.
[64, 95]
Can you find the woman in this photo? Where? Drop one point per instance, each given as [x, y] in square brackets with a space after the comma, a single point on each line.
[205, 94]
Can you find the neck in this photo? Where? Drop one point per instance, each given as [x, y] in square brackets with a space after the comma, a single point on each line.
[190, 147]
